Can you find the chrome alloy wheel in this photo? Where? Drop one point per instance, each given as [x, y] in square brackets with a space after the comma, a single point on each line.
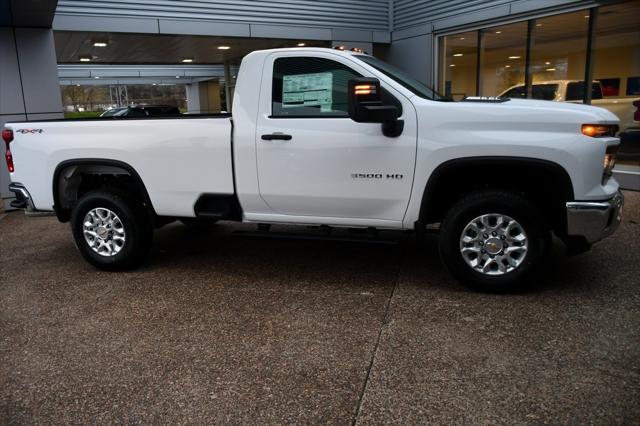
[103, 231]
[493, 244]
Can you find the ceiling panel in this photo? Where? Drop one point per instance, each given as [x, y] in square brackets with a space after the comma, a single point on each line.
[160, 48]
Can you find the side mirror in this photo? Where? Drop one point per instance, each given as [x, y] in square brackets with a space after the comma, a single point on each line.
[366, 106]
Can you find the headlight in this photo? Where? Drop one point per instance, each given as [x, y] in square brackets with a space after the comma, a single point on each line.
[609, 163]
[599, 130]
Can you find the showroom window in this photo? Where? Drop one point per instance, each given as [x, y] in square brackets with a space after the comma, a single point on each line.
[559, 52]
[547, 58]
[315, 87]
[458, 65]
[616, 57]
[502, 58]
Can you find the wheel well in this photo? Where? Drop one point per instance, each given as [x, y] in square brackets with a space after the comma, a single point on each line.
[72, 179]
[544, 182]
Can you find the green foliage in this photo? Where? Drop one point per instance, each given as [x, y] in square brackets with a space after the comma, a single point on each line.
[84, 114]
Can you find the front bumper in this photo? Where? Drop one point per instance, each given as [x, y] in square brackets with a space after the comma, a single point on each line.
[23, 198]
[594, 220]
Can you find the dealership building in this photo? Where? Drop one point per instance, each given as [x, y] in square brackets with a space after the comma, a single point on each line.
[460, 47]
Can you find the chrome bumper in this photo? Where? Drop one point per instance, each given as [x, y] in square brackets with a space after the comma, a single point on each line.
[594, 220]
[23, 198]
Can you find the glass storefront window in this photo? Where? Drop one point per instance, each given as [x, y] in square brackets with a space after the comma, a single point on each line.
[616, 54]
[458, 63]
[558, 57]
[559, 53]
[502, 58]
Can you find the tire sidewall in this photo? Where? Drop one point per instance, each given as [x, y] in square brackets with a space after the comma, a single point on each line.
[512, 205]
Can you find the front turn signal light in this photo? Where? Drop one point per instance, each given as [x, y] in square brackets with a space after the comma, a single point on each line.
[599, 130]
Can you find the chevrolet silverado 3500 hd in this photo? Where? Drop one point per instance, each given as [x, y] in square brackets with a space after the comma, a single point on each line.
[326, 137]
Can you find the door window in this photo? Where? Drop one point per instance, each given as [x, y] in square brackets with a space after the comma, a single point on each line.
[310, 87]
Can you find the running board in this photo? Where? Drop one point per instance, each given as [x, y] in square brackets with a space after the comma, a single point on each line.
[324, 235]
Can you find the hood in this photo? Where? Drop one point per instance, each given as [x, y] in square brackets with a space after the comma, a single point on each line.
[552, 107]
[518, 115]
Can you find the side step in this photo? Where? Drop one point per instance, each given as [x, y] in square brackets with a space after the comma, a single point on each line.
[325, 233]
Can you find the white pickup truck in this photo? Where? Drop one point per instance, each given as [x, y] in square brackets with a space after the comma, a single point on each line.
[336, 138]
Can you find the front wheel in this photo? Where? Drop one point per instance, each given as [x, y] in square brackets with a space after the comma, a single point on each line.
[111, 230]
[492, 240]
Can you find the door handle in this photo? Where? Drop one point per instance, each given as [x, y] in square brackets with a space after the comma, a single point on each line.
[276, 136]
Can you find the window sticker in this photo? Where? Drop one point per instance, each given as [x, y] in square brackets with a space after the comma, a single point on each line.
[308, 90]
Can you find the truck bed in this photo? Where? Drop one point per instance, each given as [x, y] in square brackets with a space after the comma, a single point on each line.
[179, 162]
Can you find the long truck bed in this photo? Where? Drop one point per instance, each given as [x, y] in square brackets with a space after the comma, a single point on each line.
[178, 161]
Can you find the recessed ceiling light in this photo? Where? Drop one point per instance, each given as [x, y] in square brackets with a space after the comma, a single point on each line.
[550, 69]
[224, 47]
[514, 57]
[461, 38]
[301, 44]
[538, 25]
[177, 76]
[457, 54]
[96, 76]
[154, 84]
[507, 66]
[498, 32]
[187, 60]
[452, 65]
[100, 43]
[85, 58]
[547, 63]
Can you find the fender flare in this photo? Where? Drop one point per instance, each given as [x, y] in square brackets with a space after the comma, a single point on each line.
[494, 161]
[64, 214]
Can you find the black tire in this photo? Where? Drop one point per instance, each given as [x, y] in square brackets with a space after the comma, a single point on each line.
[200, 224]
[135, 221]
[482, 202]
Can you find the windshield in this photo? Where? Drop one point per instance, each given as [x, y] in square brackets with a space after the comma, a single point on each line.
[405, 80]
[111, 112]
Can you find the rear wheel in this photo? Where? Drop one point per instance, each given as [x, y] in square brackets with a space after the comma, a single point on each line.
[492, 240]
[111, 230]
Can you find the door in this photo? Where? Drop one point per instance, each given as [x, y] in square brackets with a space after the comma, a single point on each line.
[313, 160]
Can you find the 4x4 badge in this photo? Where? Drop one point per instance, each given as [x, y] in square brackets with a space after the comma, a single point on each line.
[24, 131]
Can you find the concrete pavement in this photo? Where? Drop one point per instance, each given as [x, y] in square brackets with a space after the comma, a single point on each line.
[223, 328]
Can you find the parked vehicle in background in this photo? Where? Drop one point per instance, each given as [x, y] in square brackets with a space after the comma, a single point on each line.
[143, 111]
[334, 138]
[113, 111]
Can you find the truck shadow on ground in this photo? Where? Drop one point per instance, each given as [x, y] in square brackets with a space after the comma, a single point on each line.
[234, 251]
